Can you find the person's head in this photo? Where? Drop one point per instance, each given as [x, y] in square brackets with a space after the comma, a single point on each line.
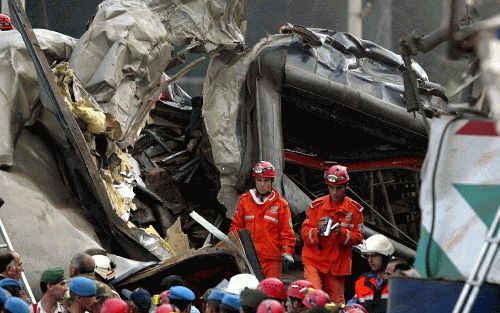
[16, 305]
[250, 300]
[167, 308]
[104, 267]
[274, 289]
[140, 297]
[315, 298]
[270, 306]
[4, 296]
[182, 297]
[13, 286]
[5, 22]
[82, 292]
[336, 178]
[377, 249]
[53, 284]
[170, 281]
[230, 303]
[81, 263]
[263, 174]
[239, 282]
[114, 305]
[295, 295]
[11, 264]
[213, 301]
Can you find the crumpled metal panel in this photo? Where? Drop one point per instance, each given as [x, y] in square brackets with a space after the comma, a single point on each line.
[361, 65]
[120, 60]
[215, 24]
[226, 112]
[19, 84]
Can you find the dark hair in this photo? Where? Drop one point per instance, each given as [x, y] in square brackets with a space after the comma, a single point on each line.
[171, 281]
[14, 291]
[83, 262]
[213, 304]
[181, 304]
[226, 309]
[43, 287]
[6, 258]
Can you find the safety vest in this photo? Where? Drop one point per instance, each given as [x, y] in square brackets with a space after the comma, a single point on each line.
[371, 295]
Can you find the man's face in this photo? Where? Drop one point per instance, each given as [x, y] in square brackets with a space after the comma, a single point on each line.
[337, 192]
[87, 303]
[263, 185]
[58, 290]
[15, 267]
[375, 262]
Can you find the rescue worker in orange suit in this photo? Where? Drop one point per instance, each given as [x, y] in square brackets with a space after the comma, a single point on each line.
[267, 216]
[326, 254]
[372, 288]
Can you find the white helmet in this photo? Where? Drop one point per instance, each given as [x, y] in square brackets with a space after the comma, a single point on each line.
[104, 267]
[239, 282]
[379, 244]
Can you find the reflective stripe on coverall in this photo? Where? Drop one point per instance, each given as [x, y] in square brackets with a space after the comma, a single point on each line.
[370, 295]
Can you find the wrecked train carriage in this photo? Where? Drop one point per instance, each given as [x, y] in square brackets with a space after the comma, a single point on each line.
[308, 97]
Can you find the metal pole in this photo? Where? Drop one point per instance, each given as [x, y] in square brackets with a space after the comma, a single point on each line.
[480, 270]
[355, 18]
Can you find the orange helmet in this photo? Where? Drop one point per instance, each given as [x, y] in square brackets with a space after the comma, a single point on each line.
[336, 175]
[5, 23]
[264, 169]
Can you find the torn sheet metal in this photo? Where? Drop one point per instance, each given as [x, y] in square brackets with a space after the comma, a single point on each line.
[19, 91]
[216, 24]
[228, 118]
[120, 59]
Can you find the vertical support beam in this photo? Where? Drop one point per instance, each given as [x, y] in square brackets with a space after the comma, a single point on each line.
[355, 18]
[390, 215]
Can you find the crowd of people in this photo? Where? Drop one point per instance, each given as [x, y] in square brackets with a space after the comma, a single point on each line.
[333, 224]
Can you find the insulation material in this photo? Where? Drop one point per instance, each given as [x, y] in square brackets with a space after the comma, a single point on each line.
[120, 59]
[178, 240]
[19, 105]
[215, 24]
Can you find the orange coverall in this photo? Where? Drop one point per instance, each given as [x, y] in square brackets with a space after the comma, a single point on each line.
[270, 225]
[327, 260]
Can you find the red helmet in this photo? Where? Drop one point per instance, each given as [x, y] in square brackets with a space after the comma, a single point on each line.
[355, 308]
[270, 306]
[273, 287]
[5, 23]
[294, 290]
[264, 169]
[315, 298]
[336, 175]
[167, 308]
[114, 305]
[164, 296]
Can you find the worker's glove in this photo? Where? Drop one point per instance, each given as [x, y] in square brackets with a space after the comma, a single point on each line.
[286, 261]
